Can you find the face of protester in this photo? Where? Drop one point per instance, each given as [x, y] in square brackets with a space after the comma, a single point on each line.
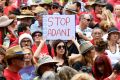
[18, 63]
[37, 37]
[98, 9]
[28, 55]
[26, 43]
[117, 10]
[101, 68]
[39, 19]
[114, 37]
[92, 53]
[97, 34]
[60, 49]
[86, 20]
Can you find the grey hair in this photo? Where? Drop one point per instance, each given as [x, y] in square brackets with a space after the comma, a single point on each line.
[66, 73]
[50, 75]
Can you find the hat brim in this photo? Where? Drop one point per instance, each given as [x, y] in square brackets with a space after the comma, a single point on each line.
[39, 65]
[6, 23]
[102, 4]
[33, 34]
[70, 10]
[24, 16]
[84, 52]
[114, 32]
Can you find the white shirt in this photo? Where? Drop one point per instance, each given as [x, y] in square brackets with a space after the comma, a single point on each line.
[87, 32]
[114, 57]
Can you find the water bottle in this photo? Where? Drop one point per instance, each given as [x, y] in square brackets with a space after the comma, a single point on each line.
[6, 42]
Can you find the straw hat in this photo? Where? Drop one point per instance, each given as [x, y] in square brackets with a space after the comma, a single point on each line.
[45, 60]
[5, 21]
[85, 46]
[71, 8]
[26, 12]
[40, 9]
[24, 16]
[13, 52]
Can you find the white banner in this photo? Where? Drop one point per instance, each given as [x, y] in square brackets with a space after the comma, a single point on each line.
[59, 27]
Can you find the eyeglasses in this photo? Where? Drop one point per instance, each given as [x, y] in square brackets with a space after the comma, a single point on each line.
[61, 46]
[24, 41]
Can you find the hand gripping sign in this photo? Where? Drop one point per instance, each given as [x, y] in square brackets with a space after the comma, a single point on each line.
[59, 27]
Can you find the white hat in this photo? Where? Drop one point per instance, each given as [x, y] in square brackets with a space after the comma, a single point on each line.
[25, 35]
[5, 21]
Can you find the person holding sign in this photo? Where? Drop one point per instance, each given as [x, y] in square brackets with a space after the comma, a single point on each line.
[60, 50]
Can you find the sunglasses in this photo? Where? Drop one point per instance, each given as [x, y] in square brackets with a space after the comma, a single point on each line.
[88, 19]
[38, 35]
[61, 46]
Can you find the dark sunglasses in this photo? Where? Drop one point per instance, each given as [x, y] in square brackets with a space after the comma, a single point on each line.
[38, 35]
[88, 19]
[61, 46]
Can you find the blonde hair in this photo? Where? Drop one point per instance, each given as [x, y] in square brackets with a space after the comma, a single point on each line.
[109, 17]
[82, 76]
[104, 25]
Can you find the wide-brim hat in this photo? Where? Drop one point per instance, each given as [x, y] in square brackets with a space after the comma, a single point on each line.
[46, 59]
[40, 10]
[99, 2]
[5, 21]
[113, 30]
[71, 8]
[86, 46]
[24, 16]
[13, 52]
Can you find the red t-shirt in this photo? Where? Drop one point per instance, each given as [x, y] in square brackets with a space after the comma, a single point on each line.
[96, 19]
[9, 75]
[117, 78]
[44, 49]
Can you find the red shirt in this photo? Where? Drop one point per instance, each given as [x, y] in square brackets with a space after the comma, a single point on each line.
[8, 9]
[44, 49]
[96, 19]
[117, 78]
[9, 75]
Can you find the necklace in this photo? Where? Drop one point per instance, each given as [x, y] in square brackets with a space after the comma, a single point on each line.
[109, 48]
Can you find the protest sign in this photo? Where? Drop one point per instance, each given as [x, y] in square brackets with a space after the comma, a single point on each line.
[59, 27]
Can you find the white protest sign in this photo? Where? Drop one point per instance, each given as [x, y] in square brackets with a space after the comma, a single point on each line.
[59, 27]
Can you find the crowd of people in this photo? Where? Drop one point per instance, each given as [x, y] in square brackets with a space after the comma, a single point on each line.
[94, 53]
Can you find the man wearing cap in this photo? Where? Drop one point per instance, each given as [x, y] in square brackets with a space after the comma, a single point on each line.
[15, 60]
